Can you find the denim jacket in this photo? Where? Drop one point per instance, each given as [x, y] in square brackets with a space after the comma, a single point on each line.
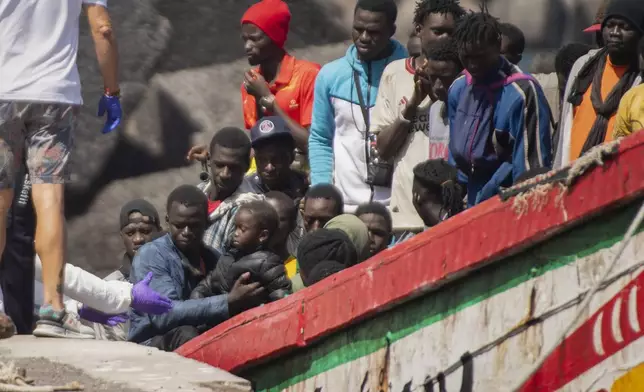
[173, 278]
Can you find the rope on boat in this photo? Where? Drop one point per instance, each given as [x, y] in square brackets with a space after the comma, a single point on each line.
[533, 194]
[632, 229]
[13, 379]
[529, 323]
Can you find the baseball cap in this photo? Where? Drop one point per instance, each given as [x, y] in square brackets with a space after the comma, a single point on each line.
[268, 128]
[593, 29]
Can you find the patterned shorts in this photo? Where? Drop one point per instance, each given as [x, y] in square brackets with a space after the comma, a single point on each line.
[40, 134]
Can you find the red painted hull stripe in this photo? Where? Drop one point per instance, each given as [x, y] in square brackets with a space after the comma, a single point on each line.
[481, 235]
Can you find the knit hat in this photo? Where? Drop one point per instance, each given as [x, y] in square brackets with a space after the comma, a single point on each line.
[629, 10]
[272, 17]
[355, 229]
[324, 244]
[322, 270]
[142, 206]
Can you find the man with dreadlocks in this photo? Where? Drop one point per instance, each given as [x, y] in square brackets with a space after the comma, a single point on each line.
[437, 195]
[401, 118]
[499, 116]
[598, 81]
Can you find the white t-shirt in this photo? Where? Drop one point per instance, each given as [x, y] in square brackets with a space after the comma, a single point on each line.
[38, 50]
[427, 139]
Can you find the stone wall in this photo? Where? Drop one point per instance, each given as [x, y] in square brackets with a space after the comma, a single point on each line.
[181, 65]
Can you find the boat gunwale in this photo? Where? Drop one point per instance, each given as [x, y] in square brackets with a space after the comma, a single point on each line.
[312, 314]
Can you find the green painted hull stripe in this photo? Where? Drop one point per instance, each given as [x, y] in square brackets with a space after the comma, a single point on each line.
[399, 322]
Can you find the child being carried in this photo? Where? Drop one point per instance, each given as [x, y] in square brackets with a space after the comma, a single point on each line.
[255, 224]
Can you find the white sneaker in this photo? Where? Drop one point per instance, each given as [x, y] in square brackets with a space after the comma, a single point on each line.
[62, 324]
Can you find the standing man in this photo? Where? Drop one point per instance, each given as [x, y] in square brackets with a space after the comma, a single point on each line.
[40, 95]
[341, 142]
[498, 116]
[598, 81]
[280, 84]
[401, 117]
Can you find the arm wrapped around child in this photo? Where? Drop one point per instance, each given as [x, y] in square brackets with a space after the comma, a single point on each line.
[264, 266]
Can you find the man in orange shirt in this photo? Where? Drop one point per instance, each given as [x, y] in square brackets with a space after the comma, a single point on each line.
[279, 84]
[598, 82]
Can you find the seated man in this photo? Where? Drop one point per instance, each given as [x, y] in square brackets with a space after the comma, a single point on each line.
[322, 203]
[178, 261]
[437, 194]
[140, 224]
[229, 159]
[274, 148]
[283, 242]
[378, 221]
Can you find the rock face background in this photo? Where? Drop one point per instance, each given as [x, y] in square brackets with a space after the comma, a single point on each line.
[181, 67]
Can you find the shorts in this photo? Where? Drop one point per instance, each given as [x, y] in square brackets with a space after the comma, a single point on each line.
[38, 134]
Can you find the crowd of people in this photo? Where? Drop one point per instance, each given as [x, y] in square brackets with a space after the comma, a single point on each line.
[336, 163]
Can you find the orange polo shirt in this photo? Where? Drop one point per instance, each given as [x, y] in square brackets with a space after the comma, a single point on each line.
[293, 90]
[584, 115]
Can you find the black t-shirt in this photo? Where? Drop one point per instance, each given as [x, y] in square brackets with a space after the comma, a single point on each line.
[296, 189]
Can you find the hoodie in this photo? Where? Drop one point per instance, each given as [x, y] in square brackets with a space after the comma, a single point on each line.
[338, 138]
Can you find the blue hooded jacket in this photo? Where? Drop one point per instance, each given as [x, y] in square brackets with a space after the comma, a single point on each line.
[499, 128]
[337, 144]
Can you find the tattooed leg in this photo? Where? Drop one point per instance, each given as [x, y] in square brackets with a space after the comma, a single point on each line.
[50, 240]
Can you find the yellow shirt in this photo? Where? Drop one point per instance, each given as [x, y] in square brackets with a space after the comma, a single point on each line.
[291, 266]
[630, 115]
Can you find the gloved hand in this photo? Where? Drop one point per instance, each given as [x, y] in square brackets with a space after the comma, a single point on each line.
[146, 300]
[95, 316]
[112, 106]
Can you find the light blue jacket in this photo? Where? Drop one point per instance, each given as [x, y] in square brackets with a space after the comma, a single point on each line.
[337, 142]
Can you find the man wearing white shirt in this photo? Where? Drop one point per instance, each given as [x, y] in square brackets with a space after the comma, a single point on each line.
[406, 130]
[40, 94]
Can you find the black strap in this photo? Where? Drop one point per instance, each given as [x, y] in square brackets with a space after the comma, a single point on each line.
[363, 107]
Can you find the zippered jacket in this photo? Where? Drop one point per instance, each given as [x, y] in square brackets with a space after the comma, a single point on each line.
[500, 127]
[338, 142]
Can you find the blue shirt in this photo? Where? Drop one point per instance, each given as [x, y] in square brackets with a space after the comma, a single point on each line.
[174, 279]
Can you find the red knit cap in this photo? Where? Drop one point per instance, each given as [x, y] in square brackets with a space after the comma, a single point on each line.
[272, 17]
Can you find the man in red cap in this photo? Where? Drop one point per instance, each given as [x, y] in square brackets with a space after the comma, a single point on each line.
[279, 84]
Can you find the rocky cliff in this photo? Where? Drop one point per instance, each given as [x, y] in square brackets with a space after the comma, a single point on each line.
[181, 65]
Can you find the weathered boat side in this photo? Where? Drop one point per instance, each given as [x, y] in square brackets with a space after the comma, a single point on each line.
[462, 301]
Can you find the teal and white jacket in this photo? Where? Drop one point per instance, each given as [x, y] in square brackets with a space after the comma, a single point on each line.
[338, 142]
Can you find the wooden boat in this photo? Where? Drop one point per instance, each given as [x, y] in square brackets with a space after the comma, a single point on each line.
[473, 303]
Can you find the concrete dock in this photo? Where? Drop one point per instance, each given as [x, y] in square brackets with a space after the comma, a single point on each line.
[104, 365]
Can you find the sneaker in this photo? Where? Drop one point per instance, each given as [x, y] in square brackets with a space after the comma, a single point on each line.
[61, 324]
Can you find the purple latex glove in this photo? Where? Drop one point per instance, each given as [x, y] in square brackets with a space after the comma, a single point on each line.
[95, 316]
[146, 300]
[112, 106]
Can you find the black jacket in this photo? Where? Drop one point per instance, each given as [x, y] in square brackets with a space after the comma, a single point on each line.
[264, 267]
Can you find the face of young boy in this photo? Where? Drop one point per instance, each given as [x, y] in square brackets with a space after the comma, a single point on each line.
[248, 235]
